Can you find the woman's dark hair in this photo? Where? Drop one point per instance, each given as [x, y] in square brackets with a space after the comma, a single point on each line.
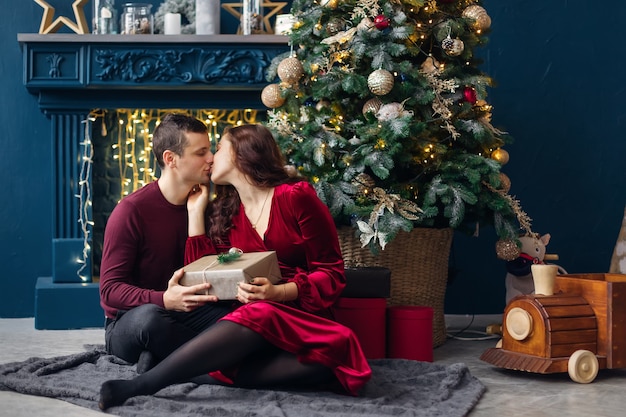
[170, 134]
[257, 155]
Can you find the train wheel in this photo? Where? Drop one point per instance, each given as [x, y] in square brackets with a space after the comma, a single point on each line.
[519, 323]
[583, 366]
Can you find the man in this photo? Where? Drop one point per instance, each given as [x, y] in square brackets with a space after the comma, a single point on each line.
[148, 313]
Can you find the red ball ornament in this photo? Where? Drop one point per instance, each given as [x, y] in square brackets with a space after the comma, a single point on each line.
[381, 22]
[469, 94]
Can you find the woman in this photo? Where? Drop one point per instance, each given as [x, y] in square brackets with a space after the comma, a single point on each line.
[277, 336]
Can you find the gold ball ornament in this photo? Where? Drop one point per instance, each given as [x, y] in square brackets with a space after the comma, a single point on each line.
[501, 156]
[452, 47]
[507, 249]
[271, 96]
[380, 82]
[372, 105]
[505, 182]
[331, 4]
[479, 15]
[290, 70]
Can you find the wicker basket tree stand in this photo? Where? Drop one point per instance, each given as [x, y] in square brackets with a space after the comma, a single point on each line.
[418, 261]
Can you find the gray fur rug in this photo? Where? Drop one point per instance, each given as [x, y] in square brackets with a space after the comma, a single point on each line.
[397, 388]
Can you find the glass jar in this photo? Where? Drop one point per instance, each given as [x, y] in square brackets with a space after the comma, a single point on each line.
[137, 19]
[104, 17]
[252, 17]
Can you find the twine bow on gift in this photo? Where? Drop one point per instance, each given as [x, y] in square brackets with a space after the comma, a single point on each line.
[232, 255]
[223, 258]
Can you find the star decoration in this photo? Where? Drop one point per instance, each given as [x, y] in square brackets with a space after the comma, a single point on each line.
[50, 26]
[275, 8]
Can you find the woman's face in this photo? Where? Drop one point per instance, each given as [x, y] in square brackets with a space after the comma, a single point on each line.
[223, 167]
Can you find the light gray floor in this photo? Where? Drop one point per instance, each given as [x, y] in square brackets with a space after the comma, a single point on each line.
[509, 393]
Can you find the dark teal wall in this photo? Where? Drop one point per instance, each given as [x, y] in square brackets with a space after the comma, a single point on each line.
[558, 67]
[25, 228]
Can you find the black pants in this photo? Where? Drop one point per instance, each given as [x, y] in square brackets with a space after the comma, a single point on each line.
[160, 331]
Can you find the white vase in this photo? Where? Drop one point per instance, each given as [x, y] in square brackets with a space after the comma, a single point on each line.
[207, 17]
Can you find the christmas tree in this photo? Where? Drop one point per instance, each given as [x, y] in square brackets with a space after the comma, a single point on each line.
[382, 105]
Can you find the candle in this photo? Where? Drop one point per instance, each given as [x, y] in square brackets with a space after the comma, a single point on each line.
[172, 24]
[284, 24]
[207, 17]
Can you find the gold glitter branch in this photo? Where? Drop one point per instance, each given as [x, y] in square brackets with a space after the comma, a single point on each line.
[522, 217]
[440, 104]
[392, 202]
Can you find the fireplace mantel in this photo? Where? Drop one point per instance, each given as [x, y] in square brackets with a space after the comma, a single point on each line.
[189, 71]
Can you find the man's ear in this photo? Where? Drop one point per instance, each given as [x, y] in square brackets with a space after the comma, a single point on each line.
[169, 158]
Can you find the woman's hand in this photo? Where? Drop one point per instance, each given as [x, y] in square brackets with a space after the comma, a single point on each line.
[198, 199]
[197, 203]
[259, 288]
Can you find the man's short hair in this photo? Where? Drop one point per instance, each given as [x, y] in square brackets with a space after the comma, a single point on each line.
[170, 134]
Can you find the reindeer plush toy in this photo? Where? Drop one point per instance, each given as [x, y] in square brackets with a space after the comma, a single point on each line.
[519, 278]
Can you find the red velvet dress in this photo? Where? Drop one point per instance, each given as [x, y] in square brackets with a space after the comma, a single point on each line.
[303, 234]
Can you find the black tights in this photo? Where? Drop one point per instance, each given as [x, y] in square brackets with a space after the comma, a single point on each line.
[222, 346]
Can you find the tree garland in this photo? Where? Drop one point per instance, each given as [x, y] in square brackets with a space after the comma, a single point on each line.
[187, 9]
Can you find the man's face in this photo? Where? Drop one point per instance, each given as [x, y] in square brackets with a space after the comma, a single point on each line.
[194, 166]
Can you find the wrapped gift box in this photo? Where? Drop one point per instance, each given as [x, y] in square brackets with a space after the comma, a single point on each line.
[367, 282]
[224, 277]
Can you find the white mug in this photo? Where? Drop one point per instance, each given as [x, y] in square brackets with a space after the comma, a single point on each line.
[544, 277]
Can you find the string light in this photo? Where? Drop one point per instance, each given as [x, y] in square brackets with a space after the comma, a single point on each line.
[84, 199]
[132, 151]
[133, 148]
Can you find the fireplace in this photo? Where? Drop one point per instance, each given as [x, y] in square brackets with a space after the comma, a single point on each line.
[74, 75]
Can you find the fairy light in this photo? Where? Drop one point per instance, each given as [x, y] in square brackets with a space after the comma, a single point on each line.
[133, 148]
[84, 200]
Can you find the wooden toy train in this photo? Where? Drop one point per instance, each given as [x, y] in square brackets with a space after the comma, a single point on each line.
[579, 330]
